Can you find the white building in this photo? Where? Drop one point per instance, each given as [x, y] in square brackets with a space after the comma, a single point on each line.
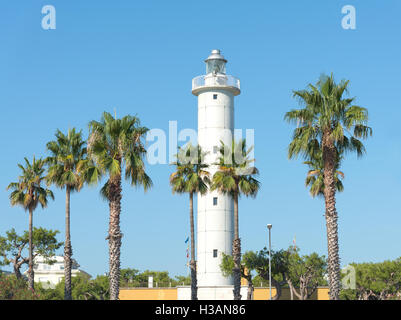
[215, 91]
[51, 274]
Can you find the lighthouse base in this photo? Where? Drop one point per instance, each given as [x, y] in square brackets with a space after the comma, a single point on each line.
[211, 293]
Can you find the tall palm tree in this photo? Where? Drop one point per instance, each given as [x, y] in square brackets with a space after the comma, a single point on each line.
[66, 153]
[28, 193]
[114, 144]
[315, 176]
[235, 176]
[332, 125]
[191, 177]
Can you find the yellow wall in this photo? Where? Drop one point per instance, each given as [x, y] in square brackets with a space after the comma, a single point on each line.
[323, 294]
[264, 294]
[148, 294]
[171, 294]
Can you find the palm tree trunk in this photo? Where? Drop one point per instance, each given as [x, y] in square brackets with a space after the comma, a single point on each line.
[114, 236]
[333, 261]
[236, 253]
[31, 285]
[194, 282]
[67, 248]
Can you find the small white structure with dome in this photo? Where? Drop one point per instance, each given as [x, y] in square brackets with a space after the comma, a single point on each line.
[50, 274]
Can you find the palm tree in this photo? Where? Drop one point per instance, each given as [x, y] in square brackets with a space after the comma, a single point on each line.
[28, 193]
[191, 177]
[114, 144]
[315, 176]
[332, 125]
[66, 153]
[235, 176]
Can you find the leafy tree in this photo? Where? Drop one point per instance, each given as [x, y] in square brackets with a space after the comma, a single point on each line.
[259, 261]
[376, 281]
[128, 276]
[29, 193]
[12, 247]
[114, 144]
[279, 269]
[191, 177]
[235, 176]
[98, 289]
[160, 278]
[288, 269]
[249, 263]
[332, 125]
[181, 280]
[305, 272]
[66, 153]
[47, 293]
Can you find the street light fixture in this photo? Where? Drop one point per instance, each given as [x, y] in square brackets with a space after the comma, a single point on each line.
[269, 226]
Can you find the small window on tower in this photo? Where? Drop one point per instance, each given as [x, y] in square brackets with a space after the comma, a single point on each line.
[215, 201]
[215, 97]
[215, 149]
[215, 253]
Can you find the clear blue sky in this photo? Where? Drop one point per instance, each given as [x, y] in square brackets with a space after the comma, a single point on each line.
[140, 56]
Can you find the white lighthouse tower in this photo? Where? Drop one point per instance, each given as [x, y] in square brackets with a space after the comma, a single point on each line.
[215, 91]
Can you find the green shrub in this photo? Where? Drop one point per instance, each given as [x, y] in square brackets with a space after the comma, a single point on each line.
[12, 288]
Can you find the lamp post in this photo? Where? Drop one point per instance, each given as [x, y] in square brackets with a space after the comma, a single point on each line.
[269, 226]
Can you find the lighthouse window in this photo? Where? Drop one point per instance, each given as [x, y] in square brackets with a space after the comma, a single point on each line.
[215, 201]
[216, 66]
[215, 149]
[215, 253]
[215, 96]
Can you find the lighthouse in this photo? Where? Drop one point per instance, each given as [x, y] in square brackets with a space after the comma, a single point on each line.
[215, 91]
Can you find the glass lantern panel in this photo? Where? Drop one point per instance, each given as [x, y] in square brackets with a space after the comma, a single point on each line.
[216, 66]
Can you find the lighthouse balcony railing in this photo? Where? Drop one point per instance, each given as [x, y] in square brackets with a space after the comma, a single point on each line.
[215, 80]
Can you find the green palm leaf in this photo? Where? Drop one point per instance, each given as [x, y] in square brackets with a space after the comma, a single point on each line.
[328, 127]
